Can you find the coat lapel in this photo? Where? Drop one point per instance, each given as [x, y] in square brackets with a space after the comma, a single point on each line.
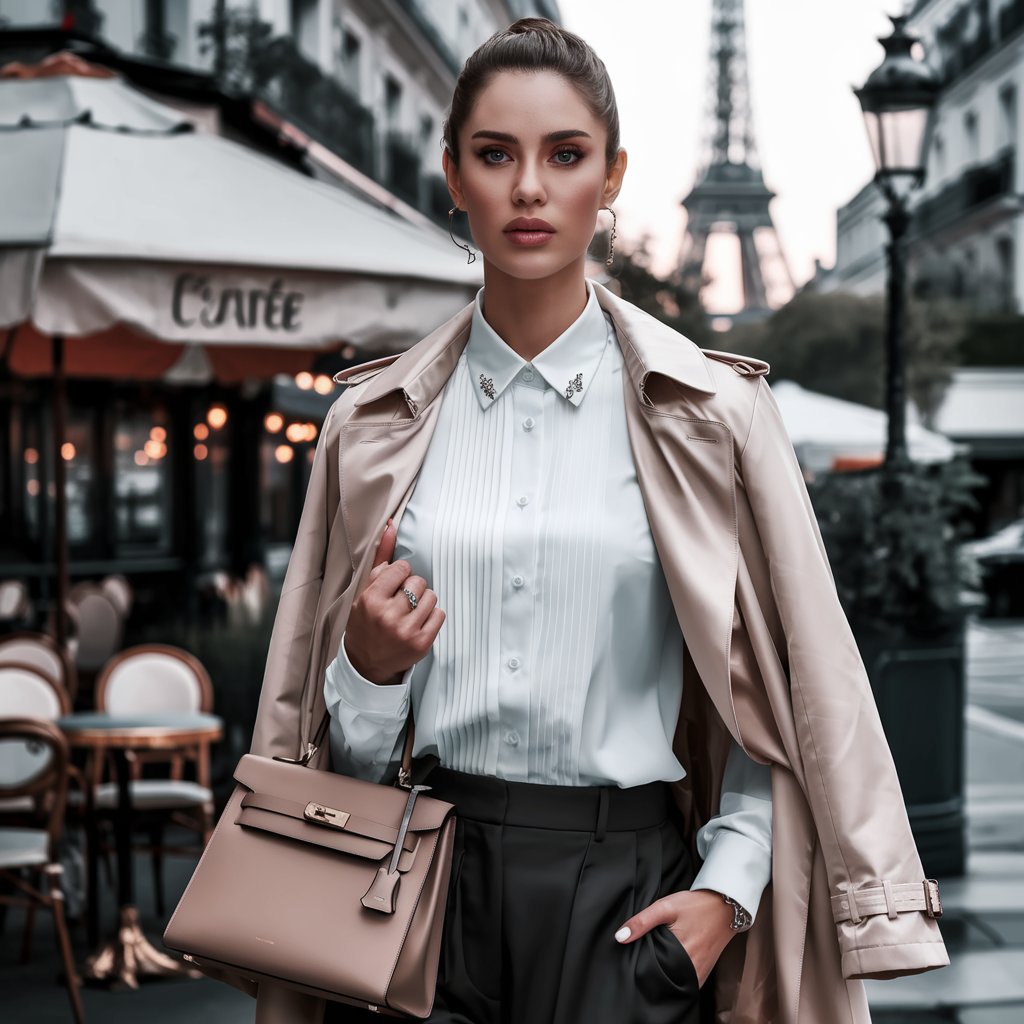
[384, 442]
[686, 473]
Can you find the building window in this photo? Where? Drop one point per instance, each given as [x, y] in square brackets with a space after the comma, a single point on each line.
[351, 62]
[392, 102]
[305, 26]
[1004, 255]
[1007, 116]
[971, 136]
[427, 135]
[939, 157]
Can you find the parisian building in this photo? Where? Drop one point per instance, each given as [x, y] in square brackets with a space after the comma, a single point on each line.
[967, 226]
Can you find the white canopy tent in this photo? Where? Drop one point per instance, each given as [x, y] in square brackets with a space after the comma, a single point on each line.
[133, 246]
[824, 429]
[122, 223]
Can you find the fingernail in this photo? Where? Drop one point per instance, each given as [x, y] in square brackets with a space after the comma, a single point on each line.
[622, 934]
[390, 521]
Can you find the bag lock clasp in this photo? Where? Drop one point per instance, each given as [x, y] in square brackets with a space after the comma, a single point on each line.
[329, 816]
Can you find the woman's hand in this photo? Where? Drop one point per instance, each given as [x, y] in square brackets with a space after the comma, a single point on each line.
[385, 635]
[699, 918]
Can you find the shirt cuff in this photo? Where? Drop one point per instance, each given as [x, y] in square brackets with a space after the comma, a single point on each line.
[361, 694]
[737, 866]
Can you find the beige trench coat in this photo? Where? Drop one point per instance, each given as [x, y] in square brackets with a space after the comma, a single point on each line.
[771, 658]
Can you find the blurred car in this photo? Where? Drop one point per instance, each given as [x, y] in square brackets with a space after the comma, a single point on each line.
[1000, 558]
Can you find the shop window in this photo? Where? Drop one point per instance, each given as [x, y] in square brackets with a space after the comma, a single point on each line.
[210, 445]
[143, 512]
[79, 454]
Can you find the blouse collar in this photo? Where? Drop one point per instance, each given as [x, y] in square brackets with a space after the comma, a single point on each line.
[568, 364]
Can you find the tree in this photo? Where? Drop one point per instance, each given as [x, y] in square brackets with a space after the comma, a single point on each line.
[834, 343]
[831, 343]
[664, 298]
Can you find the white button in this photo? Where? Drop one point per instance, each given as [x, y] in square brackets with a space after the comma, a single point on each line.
[521, 502]
[512, 739]
[517, 581]
[528, 423]
[527, 375]
[513, 663]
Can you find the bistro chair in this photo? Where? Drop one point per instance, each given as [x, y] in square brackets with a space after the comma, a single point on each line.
[15, 604]
[100, 626]
[34, 769]
[41, 650]
[154, 678]
[27, 691]
[120, 593]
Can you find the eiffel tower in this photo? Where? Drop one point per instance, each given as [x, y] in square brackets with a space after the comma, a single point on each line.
[730, 193]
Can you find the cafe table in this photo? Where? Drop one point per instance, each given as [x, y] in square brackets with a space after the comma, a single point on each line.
[129, 955]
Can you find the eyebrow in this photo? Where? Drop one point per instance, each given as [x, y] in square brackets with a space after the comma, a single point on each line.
[568, 133]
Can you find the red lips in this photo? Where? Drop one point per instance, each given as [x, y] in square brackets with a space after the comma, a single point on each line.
[528, 224]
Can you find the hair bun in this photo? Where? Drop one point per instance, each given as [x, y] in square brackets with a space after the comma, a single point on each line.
[524, 25]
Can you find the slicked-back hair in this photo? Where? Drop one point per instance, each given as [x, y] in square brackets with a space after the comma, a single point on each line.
[535, 44]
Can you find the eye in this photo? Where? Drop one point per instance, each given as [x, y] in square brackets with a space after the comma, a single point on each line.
[571, 151]
[485, 155]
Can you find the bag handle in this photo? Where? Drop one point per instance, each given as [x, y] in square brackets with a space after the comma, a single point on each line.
[404, 772]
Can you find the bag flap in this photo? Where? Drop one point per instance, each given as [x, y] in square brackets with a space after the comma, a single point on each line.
[340, 840]
[371, 801]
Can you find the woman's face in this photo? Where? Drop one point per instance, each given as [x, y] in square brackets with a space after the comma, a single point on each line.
[531, 149]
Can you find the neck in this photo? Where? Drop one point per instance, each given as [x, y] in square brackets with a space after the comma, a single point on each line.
[529, 314]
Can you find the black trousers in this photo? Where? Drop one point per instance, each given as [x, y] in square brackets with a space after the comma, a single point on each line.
[542, 878]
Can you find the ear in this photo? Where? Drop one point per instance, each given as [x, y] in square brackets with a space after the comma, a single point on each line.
[613, 181]
[451, 174]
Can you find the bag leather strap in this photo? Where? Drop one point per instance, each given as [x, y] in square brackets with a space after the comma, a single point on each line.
[405, 771]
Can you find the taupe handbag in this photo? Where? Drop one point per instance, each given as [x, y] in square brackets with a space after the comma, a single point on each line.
[324, 883]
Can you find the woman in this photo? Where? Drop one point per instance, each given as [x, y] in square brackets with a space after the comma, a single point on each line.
[582, 549]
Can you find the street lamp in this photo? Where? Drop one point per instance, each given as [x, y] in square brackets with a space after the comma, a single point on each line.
[897, 100]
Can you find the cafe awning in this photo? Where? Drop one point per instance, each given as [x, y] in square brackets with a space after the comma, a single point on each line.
[122, 224]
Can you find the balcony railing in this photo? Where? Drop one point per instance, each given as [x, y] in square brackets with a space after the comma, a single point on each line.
[976, 186]
[320, 105]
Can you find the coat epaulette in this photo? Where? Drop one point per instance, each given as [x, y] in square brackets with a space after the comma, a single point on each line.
[363, 371]
[745, 366]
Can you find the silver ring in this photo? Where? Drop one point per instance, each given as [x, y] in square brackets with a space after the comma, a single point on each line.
[409, 594]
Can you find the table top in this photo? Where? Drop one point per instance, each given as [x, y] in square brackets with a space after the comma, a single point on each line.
[99, 729]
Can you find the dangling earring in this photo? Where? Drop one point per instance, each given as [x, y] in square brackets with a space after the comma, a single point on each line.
[611, 239]
[461, 245]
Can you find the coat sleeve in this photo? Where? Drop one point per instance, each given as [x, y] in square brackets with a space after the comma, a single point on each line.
[850, 779]
[279, 717]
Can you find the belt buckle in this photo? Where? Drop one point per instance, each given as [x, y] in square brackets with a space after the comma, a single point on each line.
[932, 902]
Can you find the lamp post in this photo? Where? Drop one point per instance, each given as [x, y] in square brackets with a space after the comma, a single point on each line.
[897, 100]
[917, 676]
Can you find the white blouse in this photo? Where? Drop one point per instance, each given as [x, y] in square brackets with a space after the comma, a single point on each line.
[561, 658]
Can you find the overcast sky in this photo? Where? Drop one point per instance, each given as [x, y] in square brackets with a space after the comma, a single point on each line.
[804, 57]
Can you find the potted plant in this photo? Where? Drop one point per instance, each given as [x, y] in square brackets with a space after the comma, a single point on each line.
[893, 538]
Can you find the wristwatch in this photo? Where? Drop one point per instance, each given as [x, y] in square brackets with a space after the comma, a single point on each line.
[741, 919]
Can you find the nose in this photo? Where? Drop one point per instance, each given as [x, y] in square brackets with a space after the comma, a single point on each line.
[528, 188]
